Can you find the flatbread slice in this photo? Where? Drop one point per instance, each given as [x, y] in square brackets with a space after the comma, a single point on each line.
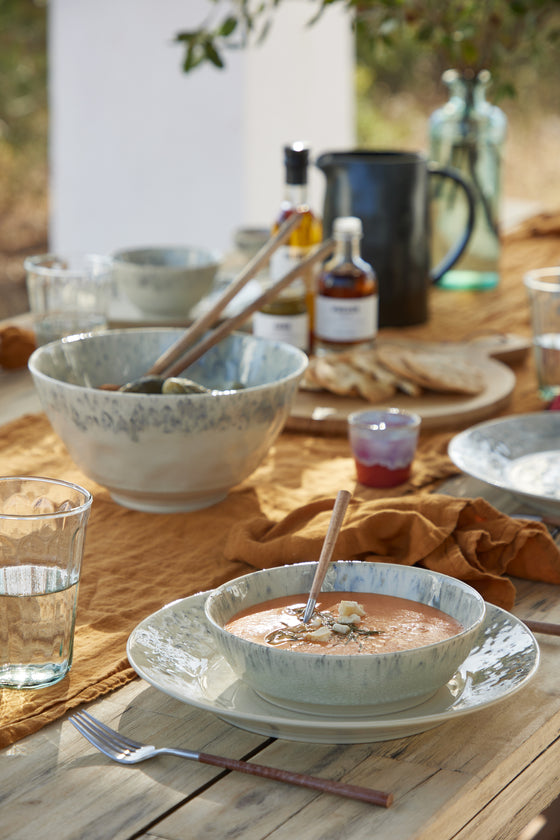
[340, 377]
[434, 371]
[370, 362]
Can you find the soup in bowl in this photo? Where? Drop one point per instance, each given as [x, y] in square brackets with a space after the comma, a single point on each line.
[383, 637]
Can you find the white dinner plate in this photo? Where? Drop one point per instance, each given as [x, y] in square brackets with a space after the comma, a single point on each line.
[173, 651]
[520, 454]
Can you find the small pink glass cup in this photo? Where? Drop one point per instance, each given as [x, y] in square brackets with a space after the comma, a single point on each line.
[383, 442]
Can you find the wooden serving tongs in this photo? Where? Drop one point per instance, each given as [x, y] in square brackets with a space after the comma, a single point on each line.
[187, 349]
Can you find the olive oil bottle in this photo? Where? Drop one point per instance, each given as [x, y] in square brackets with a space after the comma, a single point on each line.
[289, 317]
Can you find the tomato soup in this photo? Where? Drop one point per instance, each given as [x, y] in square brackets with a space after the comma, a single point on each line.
[344, 622]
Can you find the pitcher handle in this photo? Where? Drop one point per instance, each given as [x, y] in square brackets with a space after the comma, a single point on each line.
[455, 252]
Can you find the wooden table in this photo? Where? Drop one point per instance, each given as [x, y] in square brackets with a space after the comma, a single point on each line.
[484, 776]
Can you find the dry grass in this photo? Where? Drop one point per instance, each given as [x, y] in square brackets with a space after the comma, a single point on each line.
[531, 168]
[23, 231]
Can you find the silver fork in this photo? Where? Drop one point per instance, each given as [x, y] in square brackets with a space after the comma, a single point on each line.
[126, 751]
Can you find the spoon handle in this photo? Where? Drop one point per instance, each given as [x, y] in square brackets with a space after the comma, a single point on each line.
[341, 503]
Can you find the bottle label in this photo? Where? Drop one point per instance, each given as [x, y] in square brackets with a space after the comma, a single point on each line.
[346, 319]
[292, 329]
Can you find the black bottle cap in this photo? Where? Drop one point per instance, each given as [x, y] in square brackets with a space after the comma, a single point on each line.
[296, 159]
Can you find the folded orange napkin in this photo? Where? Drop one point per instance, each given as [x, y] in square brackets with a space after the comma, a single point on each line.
[466, 538]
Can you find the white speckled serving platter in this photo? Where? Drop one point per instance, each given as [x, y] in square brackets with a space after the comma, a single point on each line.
[520, 454]
[173, 651]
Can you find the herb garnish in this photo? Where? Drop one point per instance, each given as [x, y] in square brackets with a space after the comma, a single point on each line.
[343, 633]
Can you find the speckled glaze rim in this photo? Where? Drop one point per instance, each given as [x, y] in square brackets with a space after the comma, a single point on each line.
[301, 656]
[34, 361]
[161, 644]
[126, 256]
[483, 470]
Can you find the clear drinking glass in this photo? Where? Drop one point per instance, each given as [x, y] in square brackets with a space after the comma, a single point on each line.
[543, 290]
[42, 532]
[68, 294]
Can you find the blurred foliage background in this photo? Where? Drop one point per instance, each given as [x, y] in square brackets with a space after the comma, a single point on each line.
[398, 86]
[23, 145]
[396, 90]
[23, 98]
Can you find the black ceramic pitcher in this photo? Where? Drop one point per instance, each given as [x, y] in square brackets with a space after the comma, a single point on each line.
[390, 193]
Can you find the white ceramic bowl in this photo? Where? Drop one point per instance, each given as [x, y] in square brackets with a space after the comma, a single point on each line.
[159, 452]
[167, 281]
[352, 684]
[519, 454]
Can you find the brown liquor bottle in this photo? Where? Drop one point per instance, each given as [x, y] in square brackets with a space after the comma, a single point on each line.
[346, 305]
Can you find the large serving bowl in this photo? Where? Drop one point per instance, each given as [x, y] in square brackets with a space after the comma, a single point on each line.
[338, 683]
[166, 281]
[166, 453]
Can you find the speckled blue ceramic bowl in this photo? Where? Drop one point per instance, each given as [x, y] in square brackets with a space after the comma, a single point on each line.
[166, 453]
[358, 684]
[166, 281]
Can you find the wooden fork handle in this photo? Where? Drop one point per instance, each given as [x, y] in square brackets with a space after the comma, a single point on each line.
[542, 627]
[374, 797]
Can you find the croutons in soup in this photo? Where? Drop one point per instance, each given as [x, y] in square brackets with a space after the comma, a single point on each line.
[344, 622]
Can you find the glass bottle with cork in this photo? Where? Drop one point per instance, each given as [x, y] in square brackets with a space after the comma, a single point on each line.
[346, 304]
[289, 317]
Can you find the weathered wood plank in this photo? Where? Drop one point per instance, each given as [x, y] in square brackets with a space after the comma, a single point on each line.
[237, 808]
[525, 797]
[56, 784]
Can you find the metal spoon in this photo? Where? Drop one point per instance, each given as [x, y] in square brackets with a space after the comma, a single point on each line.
[341, 503]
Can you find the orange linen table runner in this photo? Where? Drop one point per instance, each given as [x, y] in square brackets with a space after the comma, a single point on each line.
[136, 562]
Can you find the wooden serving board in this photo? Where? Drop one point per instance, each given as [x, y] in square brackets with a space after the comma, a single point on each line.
[320, 412]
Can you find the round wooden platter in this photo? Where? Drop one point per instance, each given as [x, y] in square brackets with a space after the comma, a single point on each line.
[320, 412]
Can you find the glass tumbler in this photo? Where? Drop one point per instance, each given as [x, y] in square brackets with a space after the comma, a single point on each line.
[42, 532]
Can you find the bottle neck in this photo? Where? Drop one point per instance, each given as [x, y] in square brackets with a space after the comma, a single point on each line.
[347, 248]
[296, 194]
[469, 91]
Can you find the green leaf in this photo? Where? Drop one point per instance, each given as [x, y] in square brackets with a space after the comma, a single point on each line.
[193, 58]
[212, 54]
[189, 37]
[425, 32]
[228, 26]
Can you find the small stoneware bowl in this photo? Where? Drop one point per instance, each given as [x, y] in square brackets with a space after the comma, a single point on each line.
[351, 684]
[166, 281]
[166, 452]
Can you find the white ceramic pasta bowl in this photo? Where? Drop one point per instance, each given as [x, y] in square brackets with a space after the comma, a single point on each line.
[166, 453]
[357, 684]
[519, 454]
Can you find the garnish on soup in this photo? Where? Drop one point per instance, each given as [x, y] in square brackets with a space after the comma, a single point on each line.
[340, 624]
